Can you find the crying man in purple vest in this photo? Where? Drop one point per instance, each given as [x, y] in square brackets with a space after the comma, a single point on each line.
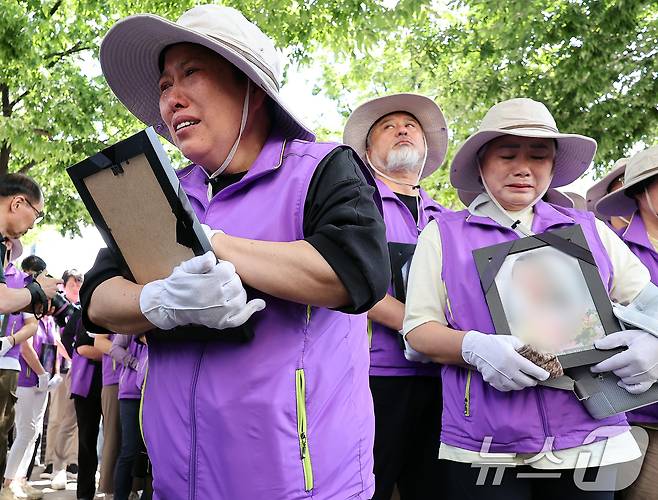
[403, 139]
[289, 414]
[492, 402]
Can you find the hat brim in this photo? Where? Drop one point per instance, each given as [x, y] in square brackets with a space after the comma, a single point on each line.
[599, 190]
[619, 203]
[573, 157]
[129, 56]
[424, 109]
[552, 196]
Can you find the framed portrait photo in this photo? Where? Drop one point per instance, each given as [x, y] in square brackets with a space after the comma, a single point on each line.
[546, 290]
[400, 255]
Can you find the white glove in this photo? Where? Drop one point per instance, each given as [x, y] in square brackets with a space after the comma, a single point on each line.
[54, 382]
[637, 366]
[210, 232]
[5, 345]
[44, 378]
[201, 291]
[495, 357]
[411, 354]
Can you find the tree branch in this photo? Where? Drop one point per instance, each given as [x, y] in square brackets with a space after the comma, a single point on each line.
[27, 167]
[54, 8]
[18, 99]
[6, 108]
[5, 150]
[78, 47]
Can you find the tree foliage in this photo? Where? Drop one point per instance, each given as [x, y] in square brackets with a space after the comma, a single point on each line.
[593, 62]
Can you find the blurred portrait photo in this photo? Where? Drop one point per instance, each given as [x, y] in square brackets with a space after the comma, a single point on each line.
[547, 302]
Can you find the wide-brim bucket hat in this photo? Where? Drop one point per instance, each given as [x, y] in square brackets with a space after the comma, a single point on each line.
[522, 117]
[601, 188]
[130, 52]
[422, 108]
[641, 166]
[552, 196]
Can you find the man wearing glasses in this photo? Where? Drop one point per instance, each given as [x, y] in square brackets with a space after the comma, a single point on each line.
[21, 206]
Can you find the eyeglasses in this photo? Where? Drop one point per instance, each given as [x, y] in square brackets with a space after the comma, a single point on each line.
[39, 214]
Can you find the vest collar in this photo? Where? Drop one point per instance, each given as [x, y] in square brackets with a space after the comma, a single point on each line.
[546, 217]
[636, 233]
[270, 158]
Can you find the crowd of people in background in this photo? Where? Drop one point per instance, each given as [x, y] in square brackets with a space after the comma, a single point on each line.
[57, 384]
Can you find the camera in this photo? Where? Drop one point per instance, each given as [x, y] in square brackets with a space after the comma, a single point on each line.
[63, 309]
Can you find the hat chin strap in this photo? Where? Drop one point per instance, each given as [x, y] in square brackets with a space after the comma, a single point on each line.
[650, 203]
[236, 144]
[420, 171]
[500, 214]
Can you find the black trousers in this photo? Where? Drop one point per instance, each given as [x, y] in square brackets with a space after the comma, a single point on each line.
[463, 478]
[88, 415]
[407, 432]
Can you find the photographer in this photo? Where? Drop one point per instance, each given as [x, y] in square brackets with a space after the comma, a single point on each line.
[21, 206]
[62, 442]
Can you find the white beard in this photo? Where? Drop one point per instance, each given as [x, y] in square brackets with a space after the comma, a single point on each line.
[403, 159]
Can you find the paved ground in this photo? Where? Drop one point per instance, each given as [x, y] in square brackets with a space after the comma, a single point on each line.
[44, 484]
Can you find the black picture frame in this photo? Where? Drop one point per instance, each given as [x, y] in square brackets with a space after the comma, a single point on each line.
[48, 357]
[570, 240]
[400, 255]
[116, 158]
[189, 240]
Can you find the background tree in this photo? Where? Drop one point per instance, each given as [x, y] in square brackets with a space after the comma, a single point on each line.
[593, 62]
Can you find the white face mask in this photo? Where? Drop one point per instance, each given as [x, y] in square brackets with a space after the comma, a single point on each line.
[402, 160]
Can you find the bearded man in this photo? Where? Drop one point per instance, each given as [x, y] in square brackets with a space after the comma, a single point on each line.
[402, 138]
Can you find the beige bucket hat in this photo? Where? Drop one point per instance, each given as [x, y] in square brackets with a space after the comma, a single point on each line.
[600, 189]
[424, 109]
[130, 52]
[640, 167]
[552, 196]
[524, 118]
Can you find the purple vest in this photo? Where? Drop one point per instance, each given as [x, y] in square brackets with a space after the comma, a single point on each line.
[287, 416]
[15, 279]
[111, 371]
[129, 388]
[635, 236]
[45, 335]
[386, 354]
[517, 421]
[82, 374]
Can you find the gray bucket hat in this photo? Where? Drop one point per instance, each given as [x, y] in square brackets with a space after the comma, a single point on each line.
[640, 167]
[131, 49]
[522, 117]
[424, 109]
